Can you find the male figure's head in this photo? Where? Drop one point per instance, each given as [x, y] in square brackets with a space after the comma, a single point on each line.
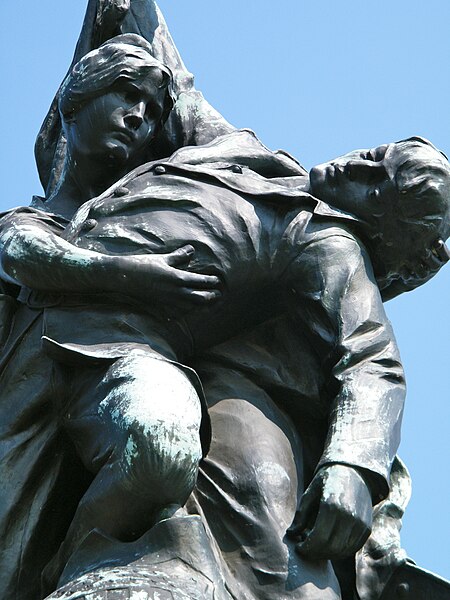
[401, 193]
[113, 103]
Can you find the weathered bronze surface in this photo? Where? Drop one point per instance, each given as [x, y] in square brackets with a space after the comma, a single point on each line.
[202, 394]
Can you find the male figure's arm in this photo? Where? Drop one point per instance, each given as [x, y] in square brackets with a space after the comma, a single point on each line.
[335, 298]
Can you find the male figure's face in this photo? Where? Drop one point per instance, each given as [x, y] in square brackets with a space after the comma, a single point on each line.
[355, 182]
[363, 182]
[115, 126]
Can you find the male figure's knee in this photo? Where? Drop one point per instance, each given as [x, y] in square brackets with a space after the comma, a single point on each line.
[257, 460]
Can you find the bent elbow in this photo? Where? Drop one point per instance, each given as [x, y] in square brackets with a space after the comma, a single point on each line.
[14, 256]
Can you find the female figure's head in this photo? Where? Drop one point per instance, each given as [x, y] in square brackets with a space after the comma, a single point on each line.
[401, 193]
[113, 103]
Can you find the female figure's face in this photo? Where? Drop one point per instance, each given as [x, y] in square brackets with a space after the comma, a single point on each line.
[115, 126]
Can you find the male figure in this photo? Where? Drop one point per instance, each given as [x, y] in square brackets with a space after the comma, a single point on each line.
[322, 241]
[273, 381]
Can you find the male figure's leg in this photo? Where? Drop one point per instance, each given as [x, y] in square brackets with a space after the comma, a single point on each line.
[136, 427]
[248, 489]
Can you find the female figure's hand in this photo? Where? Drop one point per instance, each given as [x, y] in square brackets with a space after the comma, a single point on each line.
[165, 278]
[34, 256]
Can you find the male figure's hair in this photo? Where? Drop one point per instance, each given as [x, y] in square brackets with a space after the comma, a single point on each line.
[423, 183]
[420, 210]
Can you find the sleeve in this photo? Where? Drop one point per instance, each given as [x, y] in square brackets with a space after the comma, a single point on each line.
[334, 297]
[24, 218]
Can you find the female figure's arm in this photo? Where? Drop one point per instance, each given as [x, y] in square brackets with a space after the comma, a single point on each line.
[33, 254]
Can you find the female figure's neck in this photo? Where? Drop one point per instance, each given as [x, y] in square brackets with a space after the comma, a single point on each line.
[80, 182]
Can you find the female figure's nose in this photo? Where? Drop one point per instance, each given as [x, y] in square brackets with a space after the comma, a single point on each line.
[135, 115]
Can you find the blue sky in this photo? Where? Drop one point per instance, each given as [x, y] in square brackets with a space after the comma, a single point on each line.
[316, 78]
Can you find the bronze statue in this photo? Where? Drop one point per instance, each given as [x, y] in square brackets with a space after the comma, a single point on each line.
[203, 259]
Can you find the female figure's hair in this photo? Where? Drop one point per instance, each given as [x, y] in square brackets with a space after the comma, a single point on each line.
[122, 57]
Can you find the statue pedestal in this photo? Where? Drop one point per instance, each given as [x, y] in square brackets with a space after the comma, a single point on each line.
[411, 582]
[128, 583]
[173, 561]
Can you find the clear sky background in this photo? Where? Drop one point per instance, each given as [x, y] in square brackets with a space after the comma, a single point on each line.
[317, 78]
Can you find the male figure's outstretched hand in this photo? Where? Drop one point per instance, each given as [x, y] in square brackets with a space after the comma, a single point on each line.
[335, 514]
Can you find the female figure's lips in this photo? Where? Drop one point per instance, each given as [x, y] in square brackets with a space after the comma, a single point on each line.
[124, 136]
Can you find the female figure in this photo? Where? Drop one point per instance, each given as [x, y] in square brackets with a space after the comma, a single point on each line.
[113, 104]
